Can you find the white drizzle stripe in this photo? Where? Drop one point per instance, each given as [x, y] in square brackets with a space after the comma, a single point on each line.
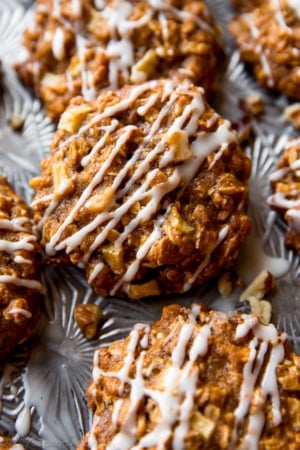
[58, 47]
[175, 402]
[289, 200]
[22, 244]
[294, 4]
[279, 16]
[259, 49]
[25, 243]
[264, 337]
[22, 311]
[50, 247]
[16, 224]
[175, 397]
[202, 145]
[120, 47]
[31, 284]
[292, 206]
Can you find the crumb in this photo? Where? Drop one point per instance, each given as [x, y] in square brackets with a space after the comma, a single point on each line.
[253, 104]
[88, 317]
[16, 122]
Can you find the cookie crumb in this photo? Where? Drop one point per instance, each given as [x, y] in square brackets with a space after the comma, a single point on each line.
[253, 104]
[88, 317]
[16, 121]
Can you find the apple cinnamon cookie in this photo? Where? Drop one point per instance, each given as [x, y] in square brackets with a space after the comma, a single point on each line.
[20, 288]
[196, 379]
[83, 47]
[285, 182]
[268, 39]
[145, 188]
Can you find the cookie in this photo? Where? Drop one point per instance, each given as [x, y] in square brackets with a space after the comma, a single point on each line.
[196, 379]
[285, 182]
[145, 188]
[82, 48]
[20, 287]
[268, 39]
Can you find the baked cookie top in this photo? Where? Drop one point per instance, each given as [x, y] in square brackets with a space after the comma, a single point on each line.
[82, 47]
[146, 188]
[196, 379]
[269, 39]
[20, 288]
[285, 182]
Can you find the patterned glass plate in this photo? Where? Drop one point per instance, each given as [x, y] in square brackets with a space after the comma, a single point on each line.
[42, 384]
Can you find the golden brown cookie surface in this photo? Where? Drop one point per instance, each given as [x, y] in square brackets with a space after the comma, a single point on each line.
[146, 188]
[286, 185]
[80, 48]
[269, 40]
[196, 379]
[20, 288]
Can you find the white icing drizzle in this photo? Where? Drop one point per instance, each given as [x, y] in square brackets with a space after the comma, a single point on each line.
[76, 7]
[264, 338]
[58, 44]
[289, 200]
[175, 401]
[24, 312]
[25, 243]
[174, 397]
[259, 49]
[119, 49]
[15, 224]
[279, 16]
[12, 246]
[202, 146]
[20, 260]
[31, 284]
[293, 217]
[56, 10]
[295, 5]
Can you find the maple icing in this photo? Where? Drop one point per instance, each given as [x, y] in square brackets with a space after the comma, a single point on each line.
[289, 200]
[13, 247]
[175, 396]
[203, 145]
[295, 5]
[119, 49]
[261, 52]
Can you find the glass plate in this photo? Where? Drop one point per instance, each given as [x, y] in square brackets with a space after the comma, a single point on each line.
[42, 384]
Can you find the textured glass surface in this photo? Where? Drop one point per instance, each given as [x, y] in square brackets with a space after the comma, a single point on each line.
[42, 384]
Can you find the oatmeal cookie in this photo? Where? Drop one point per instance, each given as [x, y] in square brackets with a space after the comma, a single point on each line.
[20, 288]
[285, 182]
[269, 40]
[83, 47]
[196, 379]
[145, 188]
